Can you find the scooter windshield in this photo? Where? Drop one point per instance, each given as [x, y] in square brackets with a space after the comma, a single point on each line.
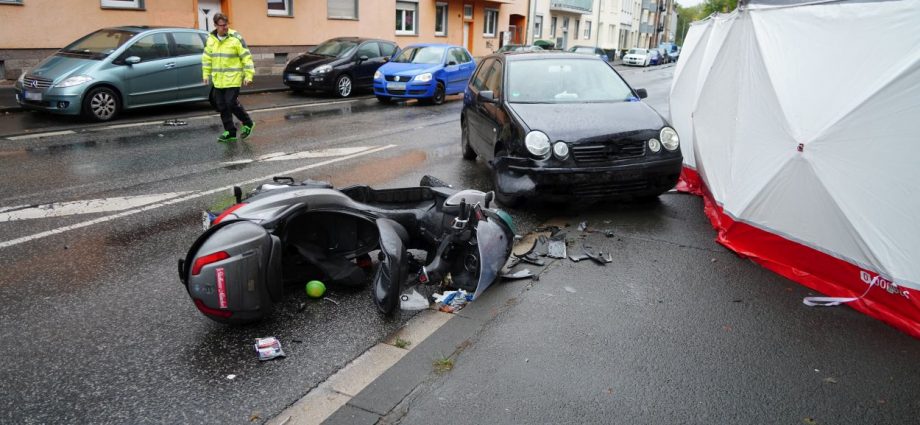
[494, 247]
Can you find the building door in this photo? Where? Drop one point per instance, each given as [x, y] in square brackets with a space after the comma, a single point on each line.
[467, 36]
[206, 11]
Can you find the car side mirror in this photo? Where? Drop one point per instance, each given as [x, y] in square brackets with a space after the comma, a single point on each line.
[363, 58]
[131, 60]
[386, 58]
[642, 93]
[451, 63]
[486, 96]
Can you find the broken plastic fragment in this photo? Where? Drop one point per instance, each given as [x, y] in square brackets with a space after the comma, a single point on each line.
[582, 226]
[556, 247]
[413, 301]
[520, 274]
[268, 348]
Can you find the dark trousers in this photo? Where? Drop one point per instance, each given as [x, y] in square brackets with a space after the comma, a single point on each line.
[228, 104]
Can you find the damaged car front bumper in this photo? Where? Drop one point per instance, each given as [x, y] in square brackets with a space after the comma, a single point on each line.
[516, 176]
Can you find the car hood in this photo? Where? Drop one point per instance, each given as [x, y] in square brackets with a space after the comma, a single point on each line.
[635, 55]
[308, 61]
[575, 121]
[408, 69]
[59, 67]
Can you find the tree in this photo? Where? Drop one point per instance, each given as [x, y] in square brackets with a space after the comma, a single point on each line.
[685, 16]
[720, 6]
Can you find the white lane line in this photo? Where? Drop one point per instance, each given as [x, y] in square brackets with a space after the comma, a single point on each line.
[283, 156]
[194, 195]
[37, 135]
[89, 206]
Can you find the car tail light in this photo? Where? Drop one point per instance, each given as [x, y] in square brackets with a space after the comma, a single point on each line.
[227, 212]
[212, 311]
[208, 259]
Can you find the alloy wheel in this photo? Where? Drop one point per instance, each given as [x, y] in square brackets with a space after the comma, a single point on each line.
[103, 105]
[344, 86]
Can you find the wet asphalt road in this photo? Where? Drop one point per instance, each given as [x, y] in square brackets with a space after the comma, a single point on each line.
[96, 326]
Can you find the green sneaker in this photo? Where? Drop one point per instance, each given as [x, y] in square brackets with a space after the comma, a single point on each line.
[246, 130]
[226, 137]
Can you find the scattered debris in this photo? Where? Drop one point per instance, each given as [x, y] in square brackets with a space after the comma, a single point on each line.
[712, 260]
[413, 301]
[582, 226]
[830, 380]
[532, 259]
[570, 289]
[268, 348]
[231, 376]
[452, 301]
[174, 123]
[160, 135]
[330, 300]
[526, 360]
[810, 421]
[608, 233]
[520, 274]
[556, 246]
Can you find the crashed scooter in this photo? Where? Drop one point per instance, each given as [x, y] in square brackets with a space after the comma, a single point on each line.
[288, 232]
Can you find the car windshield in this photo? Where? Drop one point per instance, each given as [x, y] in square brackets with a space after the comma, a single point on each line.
[335, 48]
[565, 81]
[99, 44]
[582, 50]
[637, 52]
[426, 54]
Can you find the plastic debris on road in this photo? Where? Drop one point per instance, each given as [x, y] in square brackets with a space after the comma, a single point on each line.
[452, 301]
[520, 274]
[268, 348]
[413, 301]
[556, 246]
[174, 123]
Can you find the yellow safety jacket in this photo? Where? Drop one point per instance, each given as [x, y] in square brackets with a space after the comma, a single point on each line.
[228, 62]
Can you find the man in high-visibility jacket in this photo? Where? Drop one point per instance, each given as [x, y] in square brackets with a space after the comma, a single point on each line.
[227, 63]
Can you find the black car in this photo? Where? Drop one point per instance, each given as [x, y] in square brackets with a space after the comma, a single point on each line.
[338, 65]
[560, 126]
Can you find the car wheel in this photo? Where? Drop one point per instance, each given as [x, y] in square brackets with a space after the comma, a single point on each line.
[438, 97]
[101, 104]
[468, 152]
[505, 199]
[343, 86]
[384, 99]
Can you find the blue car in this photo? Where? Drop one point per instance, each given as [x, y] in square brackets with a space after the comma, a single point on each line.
[427, 72]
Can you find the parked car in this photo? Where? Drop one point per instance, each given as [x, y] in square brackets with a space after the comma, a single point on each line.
[424, 71]
[637, 57]
[601, 53]
[519, 48]
[674, 54]
[563, 126]
[664, 55]
[339, 65]
[654, 57]
[114, 69]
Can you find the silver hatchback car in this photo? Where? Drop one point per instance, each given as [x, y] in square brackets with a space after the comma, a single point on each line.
[114, 69]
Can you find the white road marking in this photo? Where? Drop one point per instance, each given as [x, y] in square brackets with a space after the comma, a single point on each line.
[91, 206]
[193, 195]
[38, 135]
[283, 156]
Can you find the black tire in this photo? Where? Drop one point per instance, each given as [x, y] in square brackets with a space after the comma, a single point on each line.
[507, 200]
[101, 104]
[468, 153]
[343, 86]
[385, 99]
[438, 97]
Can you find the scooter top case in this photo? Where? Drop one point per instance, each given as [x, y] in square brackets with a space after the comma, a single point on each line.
[233, 272]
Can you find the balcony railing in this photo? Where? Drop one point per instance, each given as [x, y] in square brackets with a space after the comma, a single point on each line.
[572, 6]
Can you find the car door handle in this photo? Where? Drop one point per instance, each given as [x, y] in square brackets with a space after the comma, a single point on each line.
[170, 65]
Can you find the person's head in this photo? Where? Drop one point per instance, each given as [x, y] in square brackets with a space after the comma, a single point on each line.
[220, 22]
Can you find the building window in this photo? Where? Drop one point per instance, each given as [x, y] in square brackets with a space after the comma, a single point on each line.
[342, 9]
[123, 4]
[440, 19]
[565, 24]
[587, 30]
[279, 8]
[9, 2]
[552, 27]
[405, 18]
[467, 11]
[538, 26]
[611, 31]
[490, 23]
[577, 27]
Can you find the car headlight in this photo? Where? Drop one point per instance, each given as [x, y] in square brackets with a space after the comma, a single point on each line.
[669, 138]
[561, 149]
[22, 77]
[322, 69]
[378, 75]
[537, 144]
[74, 81]
[423, 78]
[654, 145]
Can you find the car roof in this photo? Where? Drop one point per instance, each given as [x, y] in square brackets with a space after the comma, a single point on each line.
[431, 45]
[547, 54]
[358, 39]
[142, 28]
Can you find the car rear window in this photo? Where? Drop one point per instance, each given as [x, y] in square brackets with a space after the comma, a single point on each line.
[565, 80]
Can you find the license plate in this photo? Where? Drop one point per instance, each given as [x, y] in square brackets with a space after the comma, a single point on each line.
[33, 95]
[296, 78]
[396, 86]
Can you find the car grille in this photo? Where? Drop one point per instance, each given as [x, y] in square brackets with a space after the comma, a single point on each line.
[609, 190]
[402, 78]
[31, 82]
[604, 152]
[396, 92]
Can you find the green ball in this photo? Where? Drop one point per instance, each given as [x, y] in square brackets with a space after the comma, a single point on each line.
[315, 289]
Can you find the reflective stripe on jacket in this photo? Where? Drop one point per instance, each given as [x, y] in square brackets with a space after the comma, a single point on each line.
[228, 62]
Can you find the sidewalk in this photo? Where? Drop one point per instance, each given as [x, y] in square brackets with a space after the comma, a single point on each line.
[260, 84]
